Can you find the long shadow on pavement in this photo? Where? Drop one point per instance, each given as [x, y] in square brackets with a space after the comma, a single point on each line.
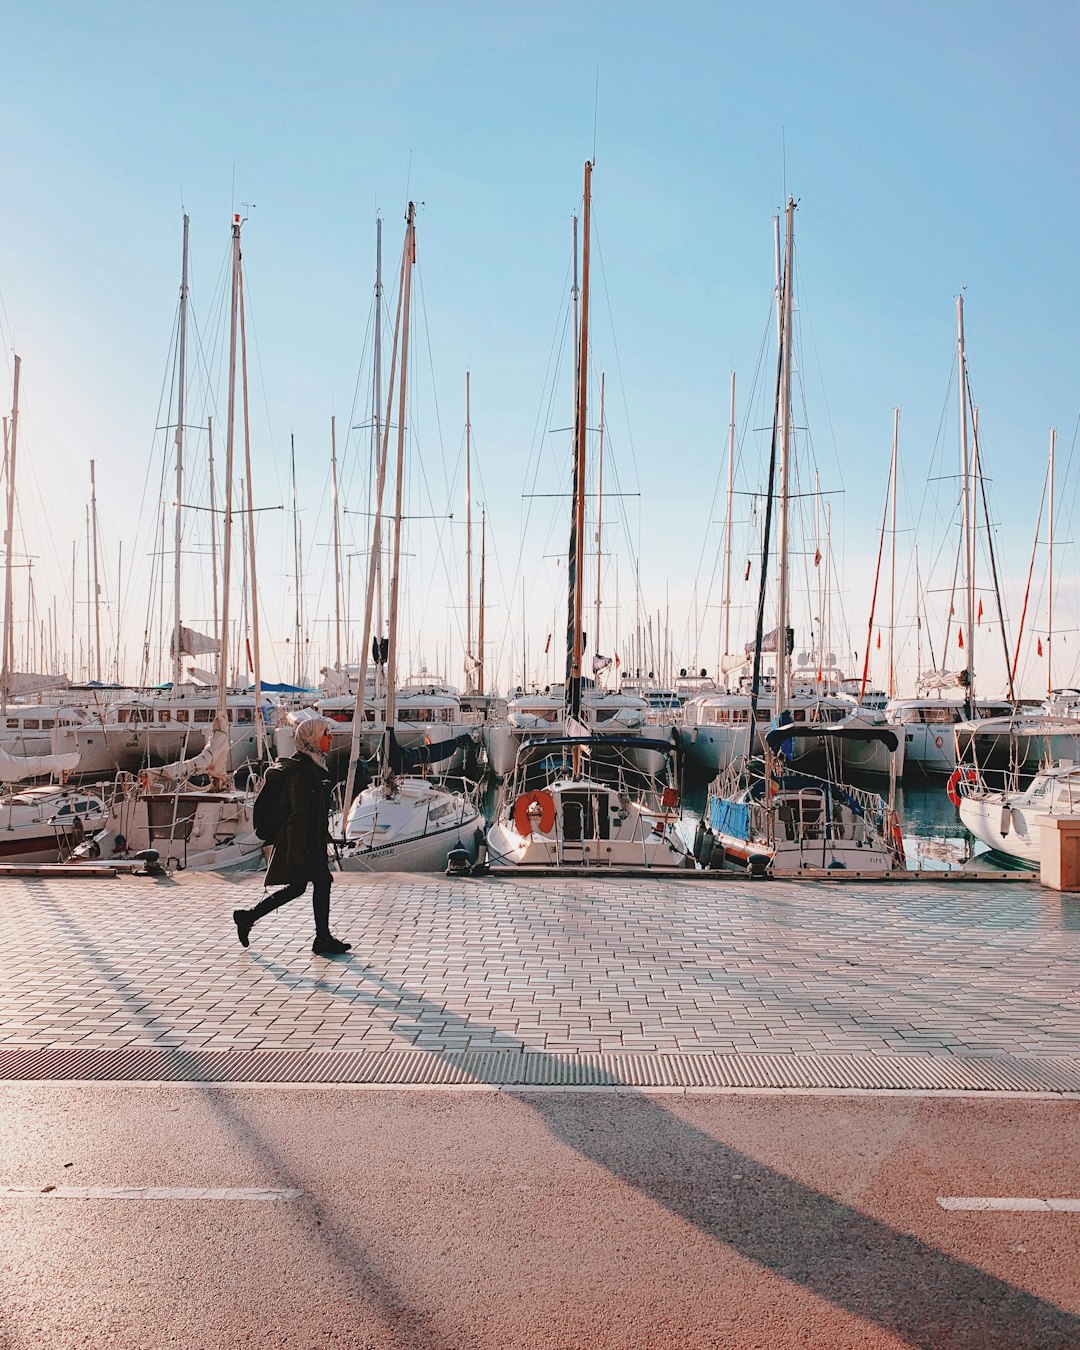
[858, 1263]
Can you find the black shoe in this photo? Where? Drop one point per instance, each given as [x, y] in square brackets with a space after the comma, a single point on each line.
[330, 946]
[243, 920]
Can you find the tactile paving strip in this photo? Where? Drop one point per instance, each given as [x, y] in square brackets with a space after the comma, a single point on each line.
[512, 1068]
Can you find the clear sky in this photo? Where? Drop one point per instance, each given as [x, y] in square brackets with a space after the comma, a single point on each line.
[931, 150]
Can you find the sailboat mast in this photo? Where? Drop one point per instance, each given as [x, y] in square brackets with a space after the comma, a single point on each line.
[577, 530]
[296, 562]
[213, 518]
[252, 576]
[1050, 576]
[399, 484]
[378, 450]
[469, 676]
[337, 546]
[969, 530]
[180, 410]
[599, 516]
[379, 476]
[892, 558]
[480, 616]
[785, 468]
[11, 447]
[727, 520]
[230, 444]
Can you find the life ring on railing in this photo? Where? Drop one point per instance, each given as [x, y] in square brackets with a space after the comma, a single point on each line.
[526, 820]
[938, 742]
[958, 776]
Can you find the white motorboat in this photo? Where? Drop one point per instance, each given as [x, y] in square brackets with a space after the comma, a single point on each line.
[928, 726]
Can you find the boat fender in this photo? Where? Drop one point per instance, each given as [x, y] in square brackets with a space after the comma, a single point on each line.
[699, 837]
[1006, 820]
[708, 847]
[757, 865]
[534, 812]
[719, 858]
[956, 778]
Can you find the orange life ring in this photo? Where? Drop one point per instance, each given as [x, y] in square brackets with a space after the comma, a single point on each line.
[958, 776]
[522, 819]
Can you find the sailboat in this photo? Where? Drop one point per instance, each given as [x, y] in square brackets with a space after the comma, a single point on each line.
[558, 809]
[760, 814]
[405, 821]
[191, 812]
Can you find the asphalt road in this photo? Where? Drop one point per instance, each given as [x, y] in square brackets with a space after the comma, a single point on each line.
[453, 1219]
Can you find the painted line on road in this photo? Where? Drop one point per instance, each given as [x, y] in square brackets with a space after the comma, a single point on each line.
[145, 1193]
[1009, 1204]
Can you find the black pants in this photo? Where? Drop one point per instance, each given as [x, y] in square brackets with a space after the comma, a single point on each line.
[320, 902]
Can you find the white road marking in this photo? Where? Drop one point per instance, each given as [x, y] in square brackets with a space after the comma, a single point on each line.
[1015, 1204]
[145, 1193]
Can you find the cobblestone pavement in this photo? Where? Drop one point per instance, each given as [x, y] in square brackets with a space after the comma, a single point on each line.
[572, 965]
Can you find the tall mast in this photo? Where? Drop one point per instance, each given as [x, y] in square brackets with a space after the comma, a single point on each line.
[230, 459]
[399, 486]
[252, 576]
[180, 399]
[469, 668]
[969, 524]
[785, 455]
[97, 587]
[297, 621]
[727, 519]
[379, 475]
[918, 622]
[599, 516]
[577, 530]
[378, 449]
[1050, 576]
[213, 518]
[480, 616]
[892, 558]
[337, 546]
[11, 448]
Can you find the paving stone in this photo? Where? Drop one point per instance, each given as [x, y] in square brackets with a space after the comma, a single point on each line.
[574, 964]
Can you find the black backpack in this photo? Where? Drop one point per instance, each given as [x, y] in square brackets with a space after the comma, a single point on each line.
[272, 804]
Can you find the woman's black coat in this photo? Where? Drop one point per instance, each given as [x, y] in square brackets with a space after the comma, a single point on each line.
[300, 849]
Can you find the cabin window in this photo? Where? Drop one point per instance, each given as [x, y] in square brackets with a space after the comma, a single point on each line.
[204, 714]
[31, 724]
[245, 715]
[183, 715]
[13, 723]
[47, 723]
[164, 714]
[937, 716]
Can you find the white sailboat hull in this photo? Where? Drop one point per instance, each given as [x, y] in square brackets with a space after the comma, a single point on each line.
[412, 829]
[1009, 830]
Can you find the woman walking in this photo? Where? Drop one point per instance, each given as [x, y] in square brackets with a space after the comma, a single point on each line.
[300, 856]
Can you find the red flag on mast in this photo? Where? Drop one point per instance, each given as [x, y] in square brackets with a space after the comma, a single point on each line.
[961, 637]
[547, 645]
[1039, 648]
[979, 619]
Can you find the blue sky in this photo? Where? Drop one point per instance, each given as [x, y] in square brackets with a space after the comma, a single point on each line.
[930, 148]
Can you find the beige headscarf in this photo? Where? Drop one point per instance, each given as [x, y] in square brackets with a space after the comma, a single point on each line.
[307, 734]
